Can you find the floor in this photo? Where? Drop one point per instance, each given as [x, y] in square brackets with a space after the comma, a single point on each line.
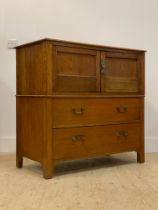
[114, 182]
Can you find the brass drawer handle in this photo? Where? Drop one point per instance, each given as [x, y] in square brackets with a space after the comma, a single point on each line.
[78, 112]
[121, 134]
[79, 137]
[121, 109]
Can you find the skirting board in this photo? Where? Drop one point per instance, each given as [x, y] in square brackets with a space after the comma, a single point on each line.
[151, 144]
[8, 144]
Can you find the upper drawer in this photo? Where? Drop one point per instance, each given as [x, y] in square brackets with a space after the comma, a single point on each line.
[82, 112]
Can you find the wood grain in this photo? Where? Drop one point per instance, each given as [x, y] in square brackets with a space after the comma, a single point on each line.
[30, 128]
[31, 78]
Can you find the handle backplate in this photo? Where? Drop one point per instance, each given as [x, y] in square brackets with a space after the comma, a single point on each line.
[122, 134]
[121, 109]
[78, 111]
[79, 137]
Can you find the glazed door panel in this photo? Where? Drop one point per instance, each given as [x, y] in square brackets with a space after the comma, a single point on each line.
[76, 70]
[120, 72]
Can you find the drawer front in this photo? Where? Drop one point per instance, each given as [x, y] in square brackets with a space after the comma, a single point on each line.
[80, 142]
[80, 112]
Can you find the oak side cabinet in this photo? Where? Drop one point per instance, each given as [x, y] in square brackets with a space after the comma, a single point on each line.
[77, 100]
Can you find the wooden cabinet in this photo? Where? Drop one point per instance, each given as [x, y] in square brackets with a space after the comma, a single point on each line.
[78, 100]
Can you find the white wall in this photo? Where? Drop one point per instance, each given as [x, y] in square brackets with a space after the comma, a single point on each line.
[124, 23]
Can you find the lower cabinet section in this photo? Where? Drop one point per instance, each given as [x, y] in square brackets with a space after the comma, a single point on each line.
[48, 132]
[71, 143]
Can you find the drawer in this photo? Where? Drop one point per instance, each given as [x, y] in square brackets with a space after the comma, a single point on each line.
[80, 112]
[70, 143]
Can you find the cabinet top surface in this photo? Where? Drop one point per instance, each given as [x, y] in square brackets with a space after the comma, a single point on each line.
[56, 41]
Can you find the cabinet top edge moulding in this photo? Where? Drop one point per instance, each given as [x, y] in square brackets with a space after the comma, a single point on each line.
[81, 44]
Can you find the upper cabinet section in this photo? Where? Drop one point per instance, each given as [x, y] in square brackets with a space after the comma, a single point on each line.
[49, 66]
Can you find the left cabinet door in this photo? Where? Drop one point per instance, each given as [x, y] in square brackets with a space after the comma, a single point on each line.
[76, 69]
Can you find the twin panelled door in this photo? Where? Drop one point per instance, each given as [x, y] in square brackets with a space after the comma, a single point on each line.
[85, 70]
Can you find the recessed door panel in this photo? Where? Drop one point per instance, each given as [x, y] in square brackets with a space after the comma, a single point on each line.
[120, 72]
[76, 70]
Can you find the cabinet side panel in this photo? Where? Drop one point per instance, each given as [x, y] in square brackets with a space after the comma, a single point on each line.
[142, 69]
[31, 69]
[30, 127]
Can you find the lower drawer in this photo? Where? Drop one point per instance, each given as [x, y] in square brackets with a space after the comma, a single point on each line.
[71, 143]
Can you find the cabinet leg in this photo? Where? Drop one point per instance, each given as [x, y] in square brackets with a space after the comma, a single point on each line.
[48, 171]
[140, 157]
[19, 161]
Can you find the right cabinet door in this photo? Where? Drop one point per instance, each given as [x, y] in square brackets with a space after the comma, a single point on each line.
[121, 72]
